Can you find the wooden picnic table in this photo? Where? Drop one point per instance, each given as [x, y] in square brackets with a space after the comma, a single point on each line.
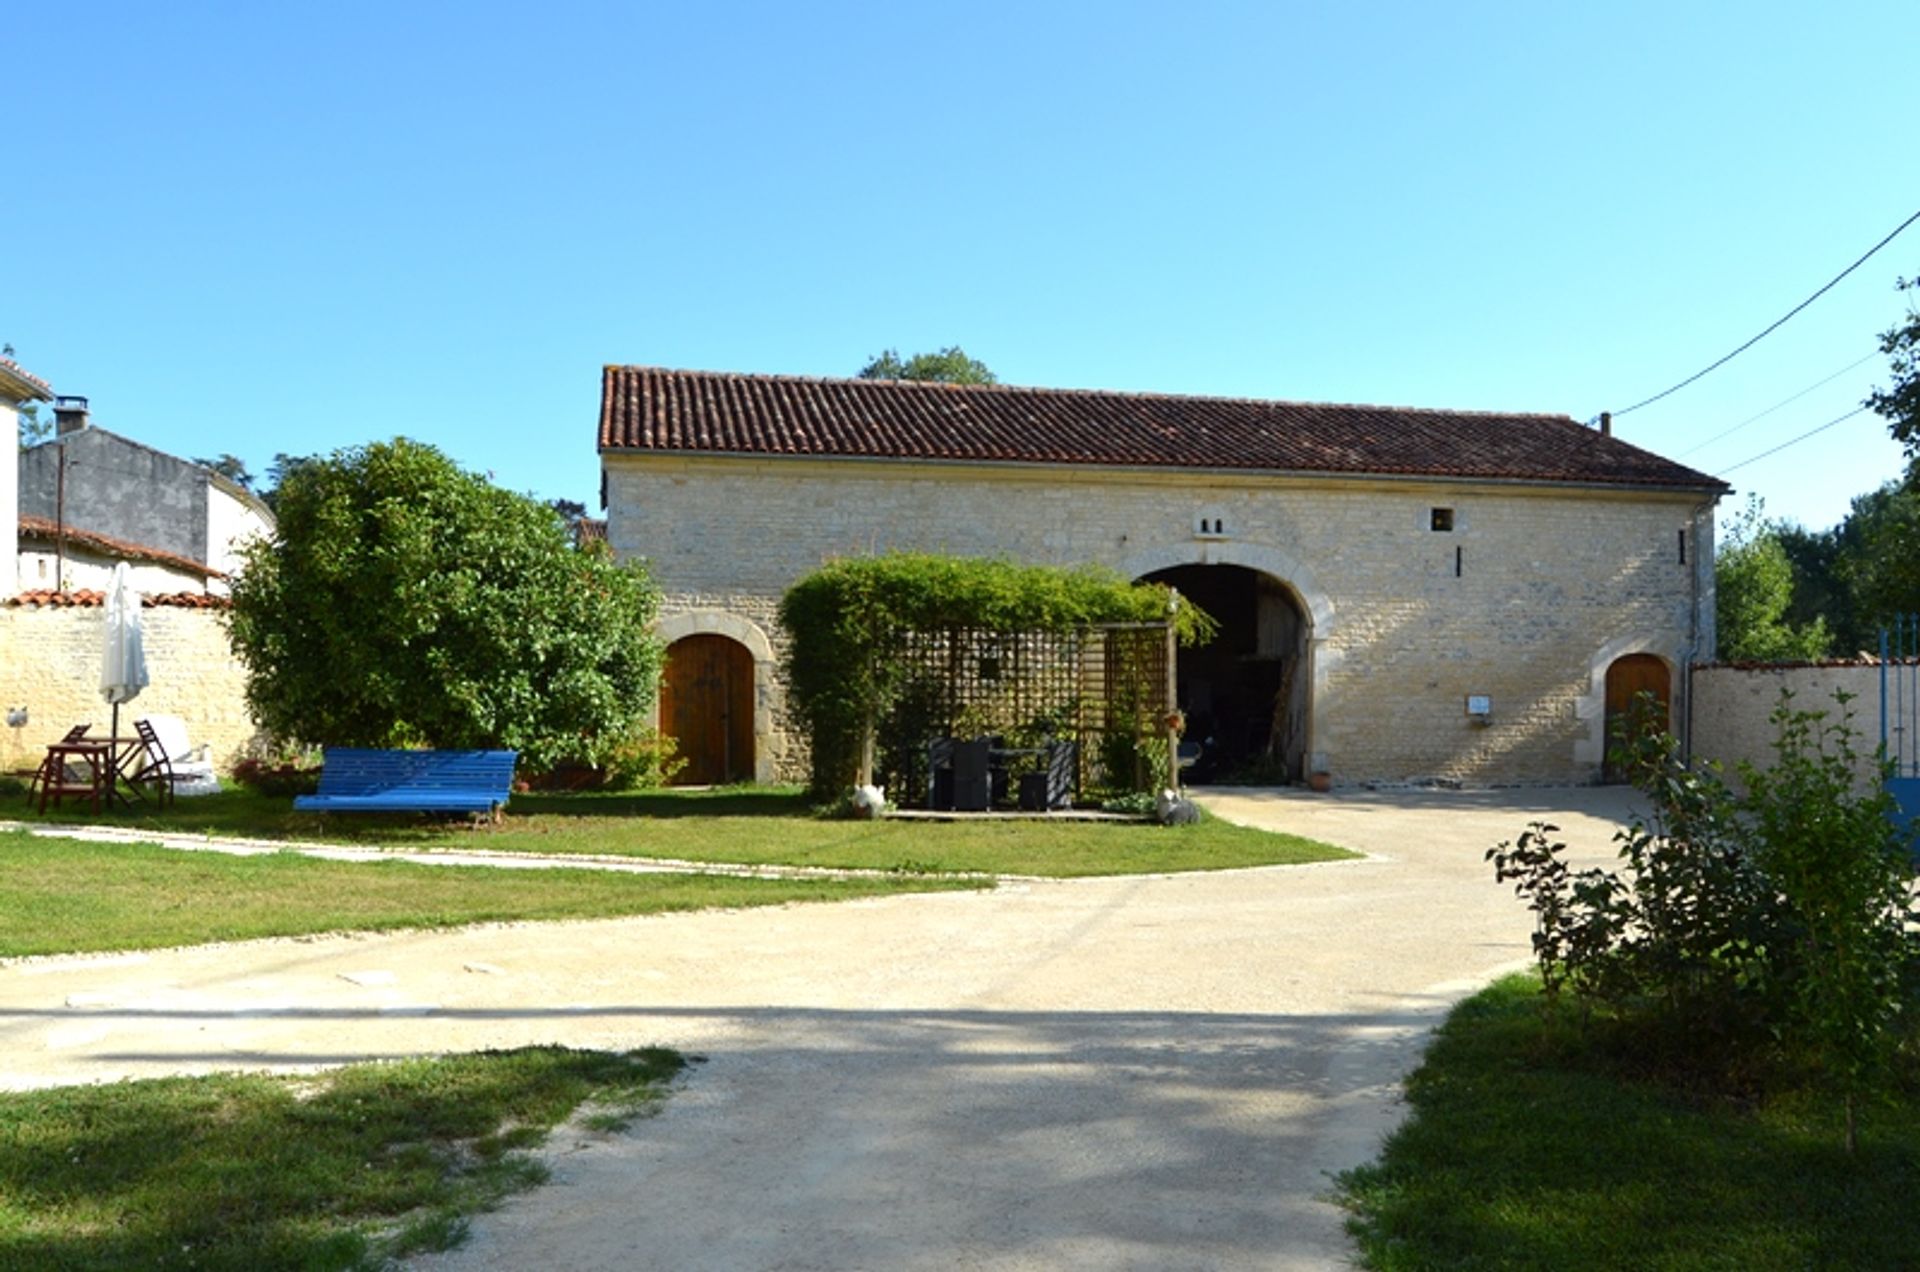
[107, 762]
[97, 758]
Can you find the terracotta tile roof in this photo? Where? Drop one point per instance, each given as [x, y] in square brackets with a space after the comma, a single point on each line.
[88, 598]
[656, 410]
[32, 527]
[11, 370]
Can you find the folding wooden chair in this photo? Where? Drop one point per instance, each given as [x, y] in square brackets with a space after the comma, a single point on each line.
[152, 768]
[45, 773]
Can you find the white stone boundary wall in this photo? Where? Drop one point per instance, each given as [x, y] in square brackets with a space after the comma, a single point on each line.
[50, 664]
[1733, 708]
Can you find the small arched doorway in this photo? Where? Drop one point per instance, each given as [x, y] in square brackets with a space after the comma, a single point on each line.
[706, 707]
[1627, 679]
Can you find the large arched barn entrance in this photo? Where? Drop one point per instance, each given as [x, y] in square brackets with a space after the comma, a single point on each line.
[706, 707]
[1246, 692]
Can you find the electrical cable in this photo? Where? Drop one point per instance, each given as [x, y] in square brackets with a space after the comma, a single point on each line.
[1781, 322]
[1777, 405]
[1858, 410]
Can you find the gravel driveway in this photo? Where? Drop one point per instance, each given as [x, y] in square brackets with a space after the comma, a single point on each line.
[1153, 1072]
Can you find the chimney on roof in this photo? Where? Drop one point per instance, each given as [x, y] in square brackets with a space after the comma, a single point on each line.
[1606, 423]
[69, 415]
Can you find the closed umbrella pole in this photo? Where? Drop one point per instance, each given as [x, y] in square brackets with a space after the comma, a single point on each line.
[123, 665]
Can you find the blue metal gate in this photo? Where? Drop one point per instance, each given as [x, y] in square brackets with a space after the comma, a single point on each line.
[1900, 710]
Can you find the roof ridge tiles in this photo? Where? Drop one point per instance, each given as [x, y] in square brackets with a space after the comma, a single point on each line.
[1052, 391]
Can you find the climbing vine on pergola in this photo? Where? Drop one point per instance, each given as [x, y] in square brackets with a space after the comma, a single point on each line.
[886, 652]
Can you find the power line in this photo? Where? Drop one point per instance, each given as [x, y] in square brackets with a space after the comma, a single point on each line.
[1777, 405]
[1715, 366]
[1858, 410]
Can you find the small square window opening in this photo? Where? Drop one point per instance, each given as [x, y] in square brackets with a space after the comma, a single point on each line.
[1442, 519]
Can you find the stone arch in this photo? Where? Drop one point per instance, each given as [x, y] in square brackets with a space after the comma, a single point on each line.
[1281, 566]
[1590, 708]
[1298, 580]
[714, 622]
[738, 627]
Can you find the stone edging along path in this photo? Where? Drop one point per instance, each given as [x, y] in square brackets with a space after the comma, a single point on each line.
[241, 847]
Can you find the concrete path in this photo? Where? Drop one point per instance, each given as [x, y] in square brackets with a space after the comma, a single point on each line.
[1122, 1073]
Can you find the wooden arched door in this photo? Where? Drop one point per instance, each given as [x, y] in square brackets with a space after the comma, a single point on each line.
[1627, 679]
[706, 707]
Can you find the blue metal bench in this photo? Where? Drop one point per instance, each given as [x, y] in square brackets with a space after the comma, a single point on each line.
[359, 780]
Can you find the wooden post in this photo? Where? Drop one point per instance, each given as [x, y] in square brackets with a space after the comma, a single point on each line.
[865, 777]
[1173, 698]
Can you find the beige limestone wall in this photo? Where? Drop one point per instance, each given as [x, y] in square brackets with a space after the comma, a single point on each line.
[50, 664]
[1733, 709]
[1526, 600]
[88, 570]
[232, 523]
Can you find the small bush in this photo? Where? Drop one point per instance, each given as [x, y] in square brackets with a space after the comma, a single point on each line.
[644, 760]
[282, 778]
[1134, 804]
[1771, 922]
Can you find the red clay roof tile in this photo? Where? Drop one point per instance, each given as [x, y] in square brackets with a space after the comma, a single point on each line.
[88, 598]
[655, 410]
[46, 528]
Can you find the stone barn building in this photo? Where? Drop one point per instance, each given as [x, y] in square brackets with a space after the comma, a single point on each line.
[1404, 595]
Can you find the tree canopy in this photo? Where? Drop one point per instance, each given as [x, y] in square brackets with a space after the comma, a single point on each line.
[947, 366]
[33, 429]
[1753, 589]
[403, 601]
[1899, 404]
[232, 467]
[1852, 579]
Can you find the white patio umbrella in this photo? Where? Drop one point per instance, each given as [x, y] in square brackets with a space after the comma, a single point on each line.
[123, 665]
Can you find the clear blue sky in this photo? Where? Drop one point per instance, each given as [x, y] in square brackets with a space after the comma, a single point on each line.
[260, 228]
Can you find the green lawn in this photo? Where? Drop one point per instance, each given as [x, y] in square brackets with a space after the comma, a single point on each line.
[754, 825]
[1534, 1147]
[347, 1169]
[60, 895]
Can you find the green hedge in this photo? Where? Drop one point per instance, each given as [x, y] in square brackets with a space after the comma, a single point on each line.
[845, 619]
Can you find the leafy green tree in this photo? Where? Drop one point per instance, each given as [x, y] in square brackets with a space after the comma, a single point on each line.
[1819, 591]
[404, 601]
[1753, 587]
[282, 467]
[1899, 404]
[1877, 559]
[947, 366]
[232, 467]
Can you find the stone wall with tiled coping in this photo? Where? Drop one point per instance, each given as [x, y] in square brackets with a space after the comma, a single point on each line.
[1733, 709]
[1529, 597]
[50, 664]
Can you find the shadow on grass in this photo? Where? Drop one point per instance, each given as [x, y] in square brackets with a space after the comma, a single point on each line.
[987, 1137]
[1133, 1138]
[726, 801]
[1531, 1147]
[247, 814]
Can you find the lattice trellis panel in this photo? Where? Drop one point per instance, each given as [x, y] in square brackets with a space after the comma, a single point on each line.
[1091, 686]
